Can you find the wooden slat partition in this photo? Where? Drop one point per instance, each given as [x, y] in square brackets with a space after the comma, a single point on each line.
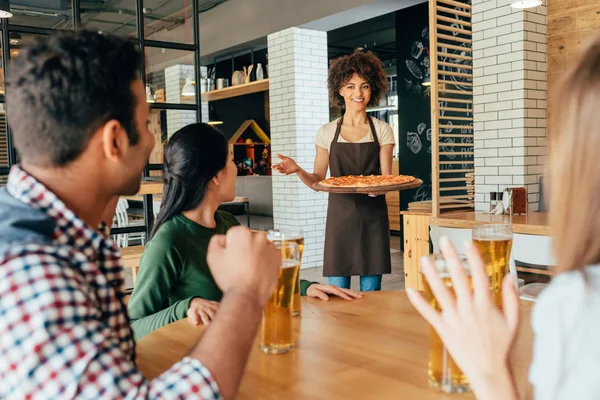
[451, 105]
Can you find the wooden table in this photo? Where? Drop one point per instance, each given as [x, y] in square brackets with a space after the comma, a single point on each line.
[534, 223]
[374, 348]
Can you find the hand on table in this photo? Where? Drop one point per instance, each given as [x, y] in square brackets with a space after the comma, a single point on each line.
[201, 311]
[477, 334]
[287, 165]
[321, 291]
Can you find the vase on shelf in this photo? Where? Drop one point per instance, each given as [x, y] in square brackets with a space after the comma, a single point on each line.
[259, 72]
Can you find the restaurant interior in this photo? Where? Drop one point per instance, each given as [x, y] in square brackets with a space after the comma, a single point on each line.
[470, 88]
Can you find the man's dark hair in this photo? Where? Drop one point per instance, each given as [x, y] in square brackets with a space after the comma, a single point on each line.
[62, 88]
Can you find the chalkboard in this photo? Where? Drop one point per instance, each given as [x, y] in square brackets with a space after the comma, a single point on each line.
[414, 108]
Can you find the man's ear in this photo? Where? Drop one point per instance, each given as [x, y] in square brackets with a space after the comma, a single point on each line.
[114, 140]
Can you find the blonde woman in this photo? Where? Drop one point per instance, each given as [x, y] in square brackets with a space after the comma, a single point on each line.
[566, 317]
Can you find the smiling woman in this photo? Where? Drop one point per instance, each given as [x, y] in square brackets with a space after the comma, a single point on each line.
[357, 227]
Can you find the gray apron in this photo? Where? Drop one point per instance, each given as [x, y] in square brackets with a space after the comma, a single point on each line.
[357, 232]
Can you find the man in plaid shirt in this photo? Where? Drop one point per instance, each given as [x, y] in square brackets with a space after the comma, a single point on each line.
[79, 118]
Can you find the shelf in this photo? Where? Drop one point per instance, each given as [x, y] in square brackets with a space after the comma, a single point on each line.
[150, 187]
[234, 91]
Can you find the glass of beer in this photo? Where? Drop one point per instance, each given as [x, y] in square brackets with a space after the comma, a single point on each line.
[296, 236]
[494, 242]
[443, 373]
[276, 329]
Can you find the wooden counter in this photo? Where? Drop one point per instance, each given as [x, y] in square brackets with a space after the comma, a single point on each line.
[530, 224]
[416, 245]
[416, 233]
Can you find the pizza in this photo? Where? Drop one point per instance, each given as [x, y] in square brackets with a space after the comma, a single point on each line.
[366, 181]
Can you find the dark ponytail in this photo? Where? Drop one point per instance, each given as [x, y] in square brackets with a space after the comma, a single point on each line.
[193, 156]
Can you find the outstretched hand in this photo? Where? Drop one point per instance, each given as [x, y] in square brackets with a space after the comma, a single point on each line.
[287, 165]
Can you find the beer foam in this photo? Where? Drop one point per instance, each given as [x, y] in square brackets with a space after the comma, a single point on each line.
[497, 237]
[289, 263]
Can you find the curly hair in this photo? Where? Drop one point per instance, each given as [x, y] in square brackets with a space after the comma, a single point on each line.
[61, 88]
[364, 63]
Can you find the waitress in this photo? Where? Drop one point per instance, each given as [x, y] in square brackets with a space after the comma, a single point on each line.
[357, 240]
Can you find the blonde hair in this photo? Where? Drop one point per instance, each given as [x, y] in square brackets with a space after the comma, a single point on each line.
[574, 164]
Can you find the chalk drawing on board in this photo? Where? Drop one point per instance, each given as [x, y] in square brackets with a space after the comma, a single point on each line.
[423, 193]
[429, 150]
[408, 84]
[417, 89]
[425, 33]
[416, 50]
[442, 104]
[421, 128]
[413, 142]
[448, 130]
[448, 149]
[429, 134]
[459, 81]
[414, 69]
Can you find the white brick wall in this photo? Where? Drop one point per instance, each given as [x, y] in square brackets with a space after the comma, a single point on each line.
[509, 98]
[299, 105]
[174, 81]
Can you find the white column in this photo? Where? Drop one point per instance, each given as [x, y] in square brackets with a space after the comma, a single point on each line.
[299, 105]
[509, 83]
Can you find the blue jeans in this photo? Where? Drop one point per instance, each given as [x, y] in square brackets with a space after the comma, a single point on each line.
[368, 283]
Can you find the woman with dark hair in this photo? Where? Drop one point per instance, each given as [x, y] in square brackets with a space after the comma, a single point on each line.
[357, 240]
[174, 280]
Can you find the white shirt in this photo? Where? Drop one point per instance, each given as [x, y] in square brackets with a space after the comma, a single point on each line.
[326, 133]
[566, 350]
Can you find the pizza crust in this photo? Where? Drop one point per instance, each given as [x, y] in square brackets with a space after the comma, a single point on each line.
[360, 181]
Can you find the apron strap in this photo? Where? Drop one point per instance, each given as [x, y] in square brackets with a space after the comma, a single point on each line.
[373, 132]
[337, 130]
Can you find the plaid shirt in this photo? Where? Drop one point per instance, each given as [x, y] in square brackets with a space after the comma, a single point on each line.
[64, 329]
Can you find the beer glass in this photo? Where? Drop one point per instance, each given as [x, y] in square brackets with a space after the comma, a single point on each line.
[494, 242]
[296, 236]
[443, 373]
[276, 330]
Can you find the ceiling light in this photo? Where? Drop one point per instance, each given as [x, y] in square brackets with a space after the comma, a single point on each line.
[520, 4]
[14, 38]
[189, 89]
[5, 9]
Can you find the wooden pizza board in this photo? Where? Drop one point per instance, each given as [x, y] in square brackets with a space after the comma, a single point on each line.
[368, 189]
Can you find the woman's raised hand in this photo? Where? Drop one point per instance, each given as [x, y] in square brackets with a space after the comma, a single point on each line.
[287, 165]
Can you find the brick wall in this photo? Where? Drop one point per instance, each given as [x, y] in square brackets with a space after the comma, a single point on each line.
[509, 95]
[299, 105]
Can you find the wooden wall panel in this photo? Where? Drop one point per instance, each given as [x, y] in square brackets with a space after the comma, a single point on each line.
[571, 24]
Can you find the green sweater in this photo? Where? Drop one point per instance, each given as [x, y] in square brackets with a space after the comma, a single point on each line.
[173, 270]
